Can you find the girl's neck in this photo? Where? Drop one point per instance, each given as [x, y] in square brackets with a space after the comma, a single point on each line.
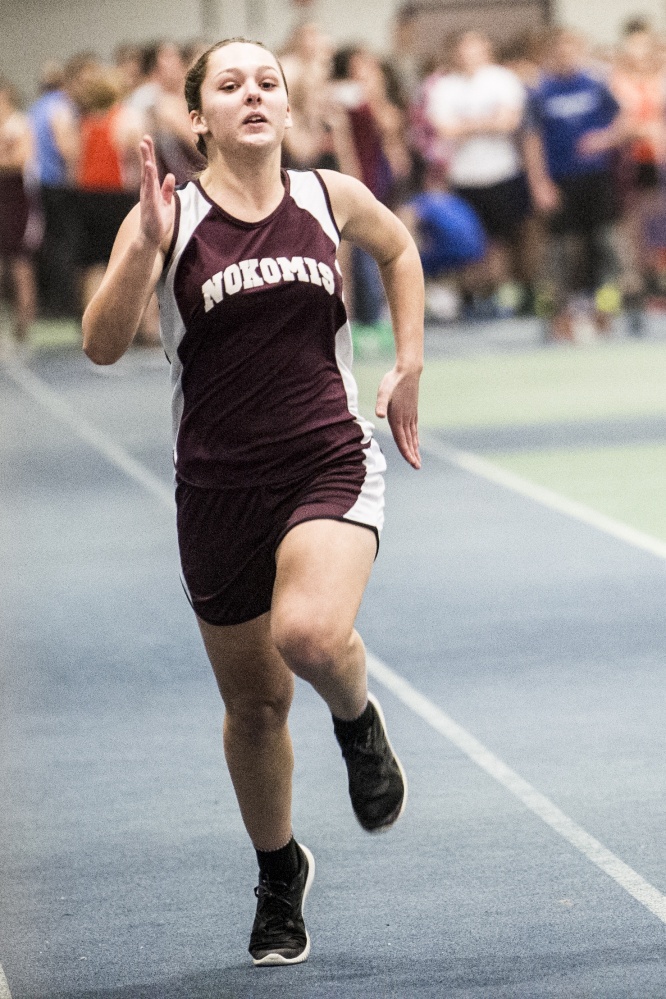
[249, 189]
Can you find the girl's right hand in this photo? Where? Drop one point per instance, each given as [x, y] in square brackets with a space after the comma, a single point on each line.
[156, 202]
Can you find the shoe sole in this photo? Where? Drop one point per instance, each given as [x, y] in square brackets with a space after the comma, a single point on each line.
[276, 959]
[387, 825]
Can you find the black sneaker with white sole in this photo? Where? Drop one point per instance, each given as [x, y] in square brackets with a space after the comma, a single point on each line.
[377, 782]
[278, 934]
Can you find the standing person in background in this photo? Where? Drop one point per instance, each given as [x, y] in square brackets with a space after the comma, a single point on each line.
[54, 119]
[127, 69]
[306, 61]
[361, 87]
[306, 56]
[574, 124]
[523, 55]
[143, 96]
[479, 108]
[638, 83]
[424, 137]
[369, 140]
[166, 117]
[405, 57]
[109, 163]
[15, 154]
[443, 295]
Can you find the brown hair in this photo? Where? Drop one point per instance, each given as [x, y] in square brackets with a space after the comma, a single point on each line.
[196, 75]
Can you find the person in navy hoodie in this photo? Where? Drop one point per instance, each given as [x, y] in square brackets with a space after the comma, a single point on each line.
[573, 124]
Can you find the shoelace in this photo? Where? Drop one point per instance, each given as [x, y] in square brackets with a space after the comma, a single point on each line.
[363, 747]
[271, 914]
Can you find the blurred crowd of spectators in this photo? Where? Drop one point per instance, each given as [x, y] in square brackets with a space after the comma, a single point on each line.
[70, 170]
[532, 178]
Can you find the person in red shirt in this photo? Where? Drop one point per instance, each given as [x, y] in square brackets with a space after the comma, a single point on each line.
[109, 141]
[108, 169]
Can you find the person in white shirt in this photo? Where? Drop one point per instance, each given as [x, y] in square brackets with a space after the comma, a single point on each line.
[479, 108]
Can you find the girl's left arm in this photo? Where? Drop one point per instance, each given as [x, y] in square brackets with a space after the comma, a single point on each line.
[364, 221]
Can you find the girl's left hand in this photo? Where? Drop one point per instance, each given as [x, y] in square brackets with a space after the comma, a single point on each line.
[397, 399]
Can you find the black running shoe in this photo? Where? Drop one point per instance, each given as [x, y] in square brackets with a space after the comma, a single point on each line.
[279, 935]
[377, 782]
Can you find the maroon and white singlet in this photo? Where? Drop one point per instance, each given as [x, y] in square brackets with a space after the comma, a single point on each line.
[264, 403]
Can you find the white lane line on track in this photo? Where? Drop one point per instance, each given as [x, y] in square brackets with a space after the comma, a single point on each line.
[625, 876]
[4, 987]
[59, 407]
[579, 511]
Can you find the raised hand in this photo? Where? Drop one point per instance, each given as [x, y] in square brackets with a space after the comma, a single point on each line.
[156, 202]
[397, 399]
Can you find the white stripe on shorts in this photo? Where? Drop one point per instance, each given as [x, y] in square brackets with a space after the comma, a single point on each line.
[369, 507]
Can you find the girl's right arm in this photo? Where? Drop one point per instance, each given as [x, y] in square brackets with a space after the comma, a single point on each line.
[111, 320]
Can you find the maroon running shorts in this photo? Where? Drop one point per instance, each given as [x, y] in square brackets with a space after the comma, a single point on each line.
[228, 537]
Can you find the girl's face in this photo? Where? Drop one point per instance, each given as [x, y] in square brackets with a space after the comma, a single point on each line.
[244, 102]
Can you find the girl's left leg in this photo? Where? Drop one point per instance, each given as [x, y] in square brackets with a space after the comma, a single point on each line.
[323, 567]
[322, 570]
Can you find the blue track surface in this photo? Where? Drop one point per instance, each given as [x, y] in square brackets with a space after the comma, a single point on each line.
[126, 872]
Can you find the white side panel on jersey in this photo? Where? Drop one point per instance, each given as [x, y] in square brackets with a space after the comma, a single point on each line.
[369, 507]
[344, 356]
[307, 192]
[193, 209]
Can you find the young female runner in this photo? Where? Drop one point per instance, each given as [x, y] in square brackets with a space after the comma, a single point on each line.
[279, 482]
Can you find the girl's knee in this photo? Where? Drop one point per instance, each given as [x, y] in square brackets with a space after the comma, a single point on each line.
[258, 714]
[310, 647]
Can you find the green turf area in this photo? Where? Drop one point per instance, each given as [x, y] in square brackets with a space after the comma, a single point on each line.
[53, 333]
[609, 380]
[628, 483]
[624, 379]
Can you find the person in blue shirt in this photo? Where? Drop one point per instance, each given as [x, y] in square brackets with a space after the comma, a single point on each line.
[573, 124]
[447, 231]
[54, 119]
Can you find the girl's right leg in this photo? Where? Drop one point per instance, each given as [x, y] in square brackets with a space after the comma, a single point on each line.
[257, 689]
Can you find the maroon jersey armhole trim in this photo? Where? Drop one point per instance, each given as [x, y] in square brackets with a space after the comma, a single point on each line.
[174, 236]
[328, 201]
